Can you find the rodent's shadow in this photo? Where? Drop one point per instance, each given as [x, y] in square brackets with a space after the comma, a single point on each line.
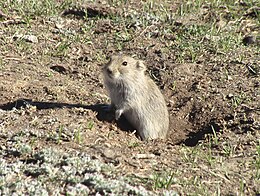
[102, 114]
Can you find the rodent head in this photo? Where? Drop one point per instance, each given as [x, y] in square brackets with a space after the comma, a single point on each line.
[120, 67]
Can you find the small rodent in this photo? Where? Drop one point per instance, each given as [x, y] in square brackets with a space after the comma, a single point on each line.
[136, 96]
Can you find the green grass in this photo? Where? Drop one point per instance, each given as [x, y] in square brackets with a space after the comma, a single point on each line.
[133, 144]
[192, 41]
[62, 49]
[78, 136]
[60, 132]
[257, 162]
[30, 9]
[90, 125]
[163, 180]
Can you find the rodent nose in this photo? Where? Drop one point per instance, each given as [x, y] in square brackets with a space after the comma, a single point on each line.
[109, 71]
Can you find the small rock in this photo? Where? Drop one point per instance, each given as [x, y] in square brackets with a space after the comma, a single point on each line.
[144, 156]
[229, 77]
[108, 153]
[221, 24]
[27, 38]
[230, 95]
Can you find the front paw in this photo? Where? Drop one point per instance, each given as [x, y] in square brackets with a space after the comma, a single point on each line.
[118, 113]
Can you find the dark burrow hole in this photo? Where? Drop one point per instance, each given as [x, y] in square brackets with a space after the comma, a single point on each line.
[194, 138]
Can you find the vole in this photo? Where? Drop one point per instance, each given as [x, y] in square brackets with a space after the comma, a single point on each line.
[136, 96]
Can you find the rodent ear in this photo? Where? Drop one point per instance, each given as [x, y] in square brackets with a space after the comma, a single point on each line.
[140, 65]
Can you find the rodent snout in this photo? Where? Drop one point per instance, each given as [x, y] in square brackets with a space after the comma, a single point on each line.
[112, 72]
[109, 71]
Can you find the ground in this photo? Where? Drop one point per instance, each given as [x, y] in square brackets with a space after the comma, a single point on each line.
[55, 137]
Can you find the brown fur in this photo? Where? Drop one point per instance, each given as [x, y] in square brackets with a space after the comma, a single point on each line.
[135, 95]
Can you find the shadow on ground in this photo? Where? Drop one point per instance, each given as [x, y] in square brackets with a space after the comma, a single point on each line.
[102, 114]
[194, 138]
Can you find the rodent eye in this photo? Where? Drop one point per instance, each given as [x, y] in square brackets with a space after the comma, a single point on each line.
[124, 63]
